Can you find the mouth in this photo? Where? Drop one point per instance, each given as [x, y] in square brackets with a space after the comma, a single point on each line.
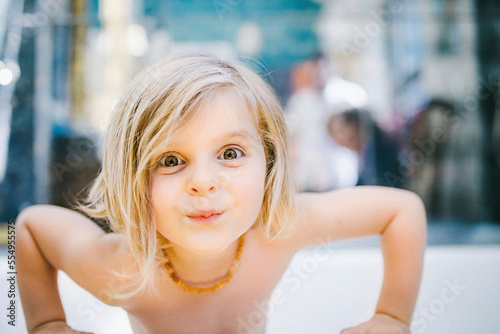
[205, 217]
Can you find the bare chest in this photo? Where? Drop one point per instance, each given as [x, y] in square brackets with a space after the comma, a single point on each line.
[238, 307]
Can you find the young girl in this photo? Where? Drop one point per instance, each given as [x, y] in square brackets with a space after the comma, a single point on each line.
[196, 187]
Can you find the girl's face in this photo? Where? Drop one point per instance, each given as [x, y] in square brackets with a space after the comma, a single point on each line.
[208, 187]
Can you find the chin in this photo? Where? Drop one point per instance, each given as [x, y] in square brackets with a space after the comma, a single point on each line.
[208, 242]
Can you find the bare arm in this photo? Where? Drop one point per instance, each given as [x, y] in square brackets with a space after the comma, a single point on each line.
[397, 215]
[403, 244]
[49, 239]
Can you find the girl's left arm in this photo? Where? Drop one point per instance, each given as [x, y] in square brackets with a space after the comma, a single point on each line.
[398, 216]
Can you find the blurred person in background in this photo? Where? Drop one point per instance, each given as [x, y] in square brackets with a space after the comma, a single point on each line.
[319, 163]
[377, 152]
[427, 174]
[443, 158]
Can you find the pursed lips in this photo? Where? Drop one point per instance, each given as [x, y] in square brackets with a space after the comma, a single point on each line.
[205, 216]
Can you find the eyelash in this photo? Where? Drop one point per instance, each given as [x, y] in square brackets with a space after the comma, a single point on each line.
[240, 153]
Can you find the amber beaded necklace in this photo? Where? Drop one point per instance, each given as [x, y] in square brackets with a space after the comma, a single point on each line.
[216, 286]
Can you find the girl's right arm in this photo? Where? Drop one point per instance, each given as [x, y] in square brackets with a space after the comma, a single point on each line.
[51, 238]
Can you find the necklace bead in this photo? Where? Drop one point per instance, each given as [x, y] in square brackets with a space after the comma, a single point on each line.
[186, 287]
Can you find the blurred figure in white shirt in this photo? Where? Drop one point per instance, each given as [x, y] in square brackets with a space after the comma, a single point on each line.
[319, 163]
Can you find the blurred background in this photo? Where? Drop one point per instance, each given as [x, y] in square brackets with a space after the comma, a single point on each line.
[399, 93]
[386, 92]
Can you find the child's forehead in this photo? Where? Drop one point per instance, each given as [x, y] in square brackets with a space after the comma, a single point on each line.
[223, 116]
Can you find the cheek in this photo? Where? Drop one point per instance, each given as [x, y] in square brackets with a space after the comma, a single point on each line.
[250, 188]
[163, 194]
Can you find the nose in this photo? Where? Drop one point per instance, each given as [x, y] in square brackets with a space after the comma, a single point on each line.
[202, 180]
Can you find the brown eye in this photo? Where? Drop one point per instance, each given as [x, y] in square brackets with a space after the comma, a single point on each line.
[171, 161]
[231, 154]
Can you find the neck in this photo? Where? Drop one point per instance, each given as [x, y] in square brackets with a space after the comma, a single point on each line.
[202, 269]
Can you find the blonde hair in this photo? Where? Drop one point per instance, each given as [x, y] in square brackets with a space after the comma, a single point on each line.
[158, 101]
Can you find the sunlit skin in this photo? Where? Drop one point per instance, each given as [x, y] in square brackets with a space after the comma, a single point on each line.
[207, 190]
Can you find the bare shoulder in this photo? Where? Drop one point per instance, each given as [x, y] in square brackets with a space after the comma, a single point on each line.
[74, 244]
[346, 214]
